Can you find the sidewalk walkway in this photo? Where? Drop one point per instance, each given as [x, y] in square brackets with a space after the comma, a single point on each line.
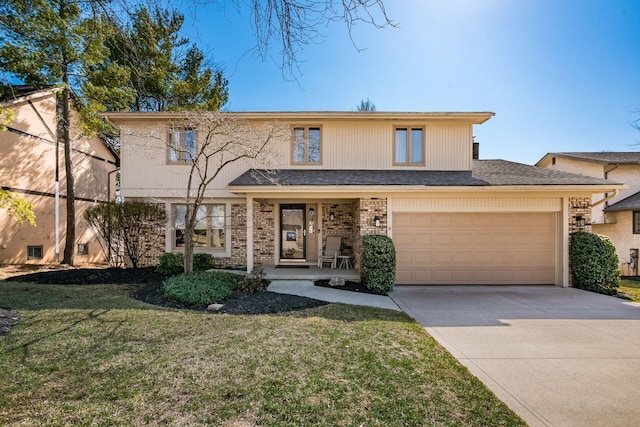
[306, 288]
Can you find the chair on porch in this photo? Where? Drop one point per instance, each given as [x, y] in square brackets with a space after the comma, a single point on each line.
[331, 252]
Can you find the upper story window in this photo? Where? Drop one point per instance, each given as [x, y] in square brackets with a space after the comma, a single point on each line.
[307, 145]
[182, 145]
[636, 222]
[409, 146]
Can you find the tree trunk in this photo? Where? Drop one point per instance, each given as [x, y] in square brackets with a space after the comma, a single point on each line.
[70, 240]
[188, 252]
[189, 225]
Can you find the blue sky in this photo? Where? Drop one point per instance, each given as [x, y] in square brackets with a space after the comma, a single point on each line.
[561, 75]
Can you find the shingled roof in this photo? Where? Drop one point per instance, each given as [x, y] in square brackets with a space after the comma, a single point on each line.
[605, 158]
[484, 173]
[630, 203]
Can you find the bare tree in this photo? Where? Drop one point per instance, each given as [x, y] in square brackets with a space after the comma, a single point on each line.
[215, 141]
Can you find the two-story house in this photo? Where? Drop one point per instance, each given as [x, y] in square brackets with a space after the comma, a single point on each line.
[614, 214]
[31, 163]
[412, 176]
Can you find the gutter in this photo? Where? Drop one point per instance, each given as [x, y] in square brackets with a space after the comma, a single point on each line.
[606, 198]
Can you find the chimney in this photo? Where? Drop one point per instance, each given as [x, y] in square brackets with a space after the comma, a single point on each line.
[476, 151]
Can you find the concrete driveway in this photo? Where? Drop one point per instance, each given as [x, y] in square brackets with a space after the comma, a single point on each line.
[556, 356]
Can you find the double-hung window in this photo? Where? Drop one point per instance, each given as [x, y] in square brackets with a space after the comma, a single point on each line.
[409, 146]
[209, 229]
[182, 145]
[307, 145]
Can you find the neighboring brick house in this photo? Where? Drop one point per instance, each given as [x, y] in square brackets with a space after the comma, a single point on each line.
[29, 159]
[614, 214]
[411, 176]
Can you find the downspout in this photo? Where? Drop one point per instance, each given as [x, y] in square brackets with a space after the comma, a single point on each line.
[606, 198]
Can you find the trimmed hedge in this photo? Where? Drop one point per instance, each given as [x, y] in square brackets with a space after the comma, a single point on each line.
[172, 263]
[594, 263]
[201, 288]
[378, 263]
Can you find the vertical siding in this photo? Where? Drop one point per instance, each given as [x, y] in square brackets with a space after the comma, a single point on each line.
[360, 144]
[448, 146]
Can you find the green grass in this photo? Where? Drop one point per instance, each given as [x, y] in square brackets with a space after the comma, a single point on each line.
[630, 287]
[91, 355]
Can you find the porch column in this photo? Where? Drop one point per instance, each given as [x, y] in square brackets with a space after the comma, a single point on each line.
[249, 234]
[564, 250]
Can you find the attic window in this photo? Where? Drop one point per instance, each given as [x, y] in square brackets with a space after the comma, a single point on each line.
[409, 146]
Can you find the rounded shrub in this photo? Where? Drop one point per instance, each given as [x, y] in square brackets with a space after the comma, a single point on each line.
[171, 264]
[202, 262]
[200, 288]
[594, 263]
[378, 263]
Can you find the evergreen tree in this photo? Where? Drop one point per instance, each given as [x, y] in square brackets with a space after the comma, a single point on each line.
[48, 42]
[163, 71]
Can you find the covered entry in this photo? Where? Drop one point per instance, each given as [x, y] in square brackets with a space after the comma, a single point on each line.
[475, 248]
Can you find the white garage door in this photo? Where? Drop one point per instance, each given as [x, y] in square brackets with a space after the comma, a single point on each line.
[475, 248]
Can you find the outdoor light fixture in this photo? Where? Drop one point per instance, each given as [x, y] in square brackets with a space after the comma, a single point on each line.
[579, 221]
[332, 216]
[312, 212]
[376, 219]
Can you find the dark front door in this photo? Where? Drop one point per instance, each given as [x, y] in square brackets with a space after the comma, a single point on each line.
[292, 233]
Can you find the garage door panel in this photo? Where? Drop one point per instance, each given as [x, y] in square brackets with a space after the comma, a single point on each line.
[475, 248]
[422, 257]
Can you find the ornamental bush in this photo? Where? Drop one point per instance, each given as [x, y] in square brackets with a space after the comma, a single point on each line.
[201, 288]
[172, 263]
[378, 263]
[594, 263]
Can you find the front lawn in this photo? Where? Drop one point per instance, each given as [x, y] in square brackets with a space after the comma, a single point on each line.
[630, 288]
[91, 355]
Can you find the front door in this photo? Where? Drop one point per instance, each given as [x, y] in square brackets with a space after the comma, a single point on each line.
[293, 234]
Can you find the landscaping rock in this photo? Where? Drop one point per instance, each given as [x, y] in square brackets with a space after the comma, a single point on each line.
[336, 281]
[215, 307]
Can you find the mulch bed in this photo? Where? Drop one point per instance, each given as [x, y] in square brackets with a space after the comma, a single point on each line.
[348, 286]
[146, 284]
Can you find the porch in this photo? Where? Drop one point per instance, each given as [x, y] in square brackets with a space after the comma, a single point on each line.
[308, 272]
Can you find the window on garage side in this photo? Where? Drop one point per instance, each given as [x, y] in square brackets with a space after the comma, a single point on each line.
[636, 222]
[209, 231]
[409, 146]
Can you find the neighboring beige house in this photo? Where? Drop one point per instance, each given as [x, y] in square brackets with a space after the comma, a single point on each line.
[29, 159]
[411, 176]
[614, 214]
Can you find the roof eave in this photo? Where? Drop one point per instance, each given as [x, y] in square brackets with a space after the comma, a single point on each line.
[472, 117]
[284, 188]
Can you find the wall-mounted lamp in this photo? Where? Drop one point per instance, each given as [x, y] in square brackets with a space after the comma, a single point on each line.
[376, 220]
[312, 213]
[579, 221]
[332, 216]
